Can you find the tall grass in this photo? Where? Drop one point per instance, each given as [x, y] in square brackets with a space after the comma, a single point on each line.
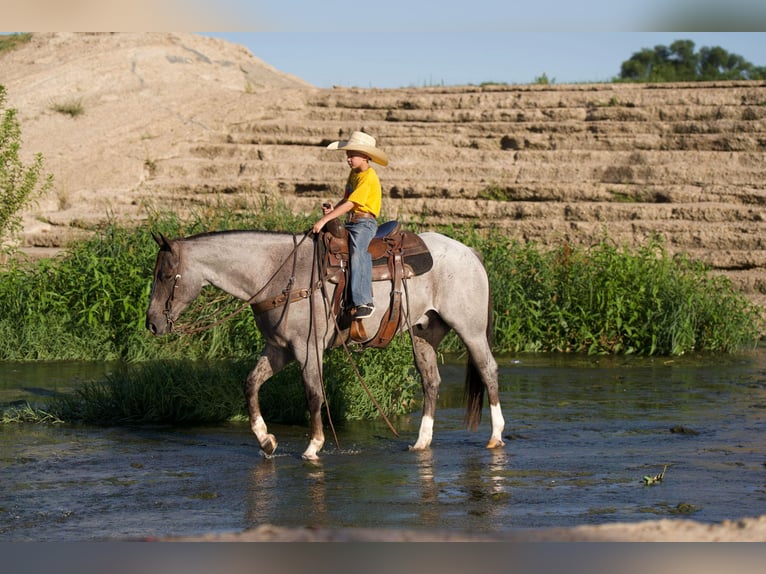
[186, 392]
[610, 299]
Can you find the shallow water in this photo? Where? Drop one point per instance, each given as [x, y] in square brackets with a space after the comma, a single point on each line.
[581, 433]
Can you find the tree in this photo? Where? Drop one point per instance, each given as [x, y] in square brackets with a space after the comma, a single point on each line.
[20, 185]
[680, 63]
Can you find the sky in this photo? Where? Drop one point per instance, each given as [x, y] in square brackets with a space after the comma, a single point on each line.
[403, 43]
[401, 59]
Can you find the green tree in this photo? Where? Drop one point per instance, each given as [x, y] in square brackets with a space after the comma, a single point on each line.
[19, 184]
[680, 63]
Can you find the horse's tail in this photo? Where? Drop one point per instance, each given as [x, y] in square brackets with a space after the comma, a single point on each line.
[474, 386]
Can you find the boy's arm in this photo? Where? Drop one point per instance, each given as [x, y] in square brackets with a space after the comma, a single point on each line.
[342, 208]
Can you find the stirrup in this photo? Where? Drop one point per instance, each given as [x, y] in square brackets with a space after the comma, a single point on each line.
[363, 311]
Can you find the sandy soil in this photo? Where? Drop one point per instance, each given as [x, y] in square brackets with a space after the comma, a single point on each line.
[666, 530]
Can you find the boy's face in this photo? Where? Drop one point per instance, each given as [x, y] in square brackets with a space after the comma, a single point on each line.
[357, 160]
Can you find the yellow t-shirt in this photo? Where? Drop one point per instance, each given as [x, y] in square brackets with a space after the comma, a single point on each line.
[363, 188]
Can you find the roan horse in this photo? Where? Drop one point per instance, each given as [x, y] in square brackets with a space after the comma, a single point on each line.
[253, 265]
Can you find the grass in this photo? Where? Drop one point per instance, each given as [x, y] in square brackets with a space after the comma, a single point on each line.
[28, 413]
[72, 108]
[608, 299]
[203, 392]
[10, 42]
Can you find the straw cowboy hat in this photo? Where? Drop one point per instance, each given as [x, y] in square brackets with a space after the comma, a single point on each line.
[360, 141]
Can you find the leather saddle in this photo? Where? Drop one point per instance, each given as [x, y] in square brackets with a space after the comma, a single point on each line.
[397, 255]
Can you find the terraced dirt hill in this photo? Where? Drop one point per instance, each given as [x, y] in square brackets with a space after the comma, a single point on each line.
[178, 122]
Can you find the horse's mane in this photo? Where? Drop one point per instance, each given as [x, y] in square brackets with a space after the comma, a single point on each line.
[226, 232]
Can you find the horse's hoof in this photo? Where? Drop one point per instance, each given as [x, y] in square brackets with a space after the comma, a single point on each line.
[417, 447]
[495, 443]
[310, 457]
[269, 444]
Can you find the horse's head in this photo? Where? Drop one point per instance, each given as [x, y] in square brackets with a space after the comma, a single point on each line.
[171, 290]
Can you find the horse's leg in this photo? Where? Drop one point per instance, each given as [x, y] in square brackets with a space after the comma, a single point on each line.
[424, 345]
[272, 360]
[311, 373]
[480, 355]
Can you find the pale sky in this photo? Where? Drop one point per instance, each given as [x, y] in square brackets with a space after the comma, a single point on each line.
[401, 43]
[394, 60]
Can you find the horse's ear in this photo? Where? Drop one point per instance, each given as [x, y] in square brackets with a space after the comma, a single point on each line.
[162, 241]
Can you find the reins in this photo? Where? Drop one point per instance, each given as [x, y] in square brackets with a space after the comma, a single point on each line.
[286, 292]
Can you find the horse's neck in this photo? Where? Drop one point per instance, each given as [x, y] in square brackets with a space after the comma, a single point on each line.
[242, 264]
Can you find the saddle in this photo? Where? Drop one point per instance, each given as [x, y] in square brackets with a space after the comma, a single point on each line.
[397, 255]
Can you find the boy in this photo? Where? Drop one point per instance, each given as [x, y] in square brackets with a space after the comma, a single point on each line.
[361, 201]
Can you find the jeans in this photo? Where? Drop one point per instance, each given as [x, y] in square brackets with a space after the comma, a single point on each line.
[360, 265]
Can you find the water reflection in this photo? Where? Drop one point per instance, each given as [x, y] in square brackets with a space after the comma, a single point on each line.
[262, 491]
[429, 514]
[315, 478]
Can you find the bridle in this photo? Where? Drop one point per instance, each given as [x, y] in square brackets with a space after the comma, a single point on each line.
[168, 311]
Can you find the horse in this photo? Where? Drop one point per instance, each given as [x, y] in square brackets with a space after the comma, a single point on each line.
[251, 264]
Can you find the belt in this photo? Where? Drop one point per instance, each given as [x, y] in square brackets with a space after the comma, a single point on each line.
[356, 215]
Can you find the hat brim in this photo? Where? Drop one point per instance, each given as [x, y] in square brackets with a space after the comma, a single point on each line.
[375, 154]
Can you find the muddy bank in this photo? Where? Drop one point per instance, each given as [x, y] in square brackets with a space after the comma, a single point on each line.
[666, 530]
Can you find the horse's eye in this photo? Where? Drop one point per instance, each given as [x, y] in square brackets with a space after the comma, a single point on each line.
[162, 277]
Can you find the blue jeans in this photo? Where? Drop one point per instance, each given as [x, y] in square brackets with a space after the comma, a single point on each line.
[360, 265]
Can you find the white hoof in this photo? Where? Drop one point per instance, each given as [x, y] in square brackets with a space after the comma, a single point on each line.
[269, 444]
[495, 443]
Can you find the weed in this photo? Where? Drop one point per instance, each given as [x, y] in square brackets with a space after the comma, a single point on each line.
[606, 299]
[494, 192]
[543, 80]
[649, 480]
[618, 174]
[151, 167]
[622, 197]
[28, 414]
[72, 108]
[10, 42]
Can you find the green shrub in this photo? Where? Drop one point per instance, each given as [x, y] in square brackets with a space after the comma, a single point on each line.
[608, 299]
[20, 185]
[189, 392]
[90, 303]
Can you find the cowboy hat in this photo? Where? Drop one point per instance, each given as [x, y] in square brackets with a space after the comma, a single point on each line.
[360, 141]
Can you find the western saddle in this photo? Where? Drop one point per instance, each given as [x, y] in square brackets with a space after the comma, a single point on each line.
[397, 255]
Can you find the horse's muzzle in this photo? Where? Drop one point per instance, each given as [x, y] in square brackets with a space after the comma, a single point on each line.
[162, 327]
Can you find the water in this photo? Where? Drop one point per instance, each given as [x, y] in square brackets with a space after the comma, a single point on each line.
[581, 434]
